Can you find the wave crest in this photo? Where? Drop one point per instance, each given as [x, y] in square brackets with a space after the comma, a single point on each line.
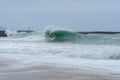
[60, 35]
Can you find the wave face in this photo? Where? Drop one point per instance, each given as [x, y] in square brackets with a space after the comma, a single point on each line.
[60, 35]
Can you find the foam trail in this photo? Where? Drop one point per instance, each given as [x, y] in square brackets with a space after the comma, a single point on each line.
[23, 36]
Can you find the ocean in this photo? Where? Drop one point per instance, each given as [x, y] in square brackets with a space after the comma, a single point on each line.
[63, 48]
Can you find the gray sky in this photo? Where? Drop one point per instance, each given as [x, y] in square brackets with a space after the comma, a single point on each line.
[80, 15]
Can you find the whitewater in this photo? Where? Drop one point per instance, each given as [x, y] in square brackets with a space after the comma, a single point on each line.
[62, 48]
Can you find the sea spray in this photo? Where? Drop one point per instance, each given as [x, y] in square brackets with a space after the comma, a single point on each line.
[10, 32]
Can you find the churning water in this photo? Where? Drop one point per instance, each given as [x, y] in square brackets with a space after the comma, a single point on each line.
[62, 47]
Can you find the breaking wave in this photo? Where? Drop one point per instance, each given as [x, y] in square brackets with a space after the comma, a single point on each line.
[89, 46]
[60, 35]
[63, 35]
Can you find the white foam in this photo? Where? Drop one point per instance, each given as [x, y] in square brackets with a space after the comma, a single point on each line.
[31, 50]
[94, 57]
[98, 65]
[11, 32]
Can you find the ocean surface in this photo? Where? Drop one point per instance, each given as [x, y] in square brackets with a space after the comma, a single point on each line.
[63, 48]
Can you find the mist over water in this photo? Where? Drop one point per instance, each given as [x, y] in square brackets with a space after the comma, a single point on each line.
[65, 47]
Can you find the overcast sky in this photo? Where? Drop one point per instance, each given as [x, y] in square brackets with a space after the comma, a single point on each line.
[80, 15]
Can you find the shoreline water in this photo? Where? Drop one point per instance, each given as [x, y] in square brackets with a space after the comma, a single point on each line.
[48, 72]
